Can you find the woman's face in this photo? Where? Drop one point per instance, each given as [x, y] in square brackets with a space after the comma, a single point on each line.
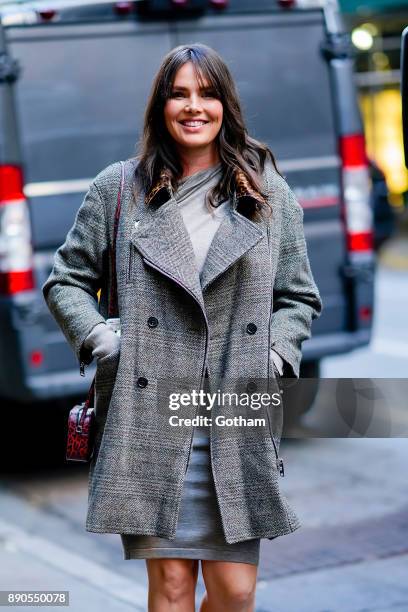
[189, 103]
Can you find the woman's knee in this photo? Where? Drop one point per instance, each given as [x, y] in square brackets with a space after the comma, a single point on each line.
[237, 595]
[232, 584]
[174, 579]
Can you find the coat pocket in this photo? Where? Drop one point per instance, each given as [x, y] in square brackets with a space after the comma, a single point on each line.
[276, 371]
[129, 267]
[275, 415]
[105, 377]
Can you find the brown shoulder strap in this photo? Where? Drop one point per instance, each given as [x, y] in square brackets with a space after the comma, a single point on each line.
[113, 298]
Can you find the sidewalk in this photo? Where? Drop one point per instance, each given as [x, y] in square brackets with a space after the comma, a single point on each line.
[394, 254]
[31, 563]
[42, 551]
[376, 585]
[368, 583]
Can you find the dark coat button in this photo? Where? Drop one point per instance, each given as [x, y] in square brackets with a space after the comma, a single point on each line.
[142, 382]
[152, 322]
[251, 328]
[251, 387]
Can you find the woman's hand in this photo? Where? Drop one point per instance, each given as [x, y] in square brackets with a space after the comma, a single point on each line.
[102, 340]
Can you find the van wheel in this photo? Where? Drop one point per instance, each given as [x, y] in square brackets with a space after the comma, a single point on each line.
[298, 399]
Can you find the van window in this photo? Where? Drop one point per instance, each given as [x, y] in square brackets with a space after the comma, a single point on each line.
[282, 78]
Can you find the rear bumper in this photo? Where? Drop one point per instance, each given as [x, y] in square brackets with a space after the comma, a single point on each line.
[52, 386]
[325, 345]
[61, 384]
[70, 383]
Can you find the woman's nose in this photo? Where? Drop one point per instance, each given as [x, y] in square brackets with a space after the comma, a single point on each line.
[194, 102]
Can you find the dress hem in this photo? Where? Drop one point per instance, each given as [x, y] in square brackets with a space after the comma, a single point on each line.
[206, 554]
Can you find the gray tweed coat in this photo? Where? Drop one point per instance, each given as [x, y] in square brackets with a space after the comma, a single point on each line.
[256, 291]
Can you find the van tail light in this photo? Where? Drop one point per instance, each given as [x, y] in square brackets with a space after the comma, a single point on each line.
[16, 256]
[123, 8]
[219, 4]
[47, 14]
[356, 212]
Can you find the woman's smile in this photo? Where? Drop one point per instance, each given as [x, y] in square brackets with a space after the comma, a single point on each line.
[193, 115]
[191, 125]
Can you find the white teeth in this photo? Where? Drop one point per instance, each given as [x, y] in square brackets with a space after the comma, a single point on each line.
[193, 123]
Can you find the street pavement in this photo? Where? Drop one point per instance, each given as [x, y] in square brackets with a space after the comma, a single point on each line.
[351, 494]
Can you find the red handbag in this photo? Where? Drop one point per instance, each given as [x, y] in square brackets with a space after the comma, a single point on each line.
[81, 418]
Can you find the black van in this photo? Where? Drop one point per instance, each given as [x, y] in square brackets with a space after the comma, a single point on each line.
[74, 80]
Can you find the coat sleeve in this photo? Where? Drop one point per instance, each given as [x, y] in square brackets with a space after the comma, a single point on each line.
[296, 298]
[77, 274]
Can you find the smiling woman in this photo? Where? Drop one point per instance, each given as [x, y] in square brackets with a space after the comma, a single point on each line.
[194, 84]
[193, 116]
[196, 147]
[212, 273]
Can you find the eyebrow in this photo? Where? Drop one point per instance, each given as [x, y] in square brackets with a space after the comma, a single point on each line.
[186, 88]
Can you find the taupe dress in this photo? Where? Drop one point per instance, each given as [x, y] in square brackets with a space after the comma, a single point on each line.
[199, 532]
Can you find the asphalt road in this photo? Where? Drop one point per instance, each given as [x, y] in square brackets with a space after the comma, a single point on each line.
[350, 492]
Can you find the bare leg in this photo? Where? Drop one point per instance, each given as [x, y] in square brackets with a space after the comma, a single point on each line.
[172, 584]
[230, 586]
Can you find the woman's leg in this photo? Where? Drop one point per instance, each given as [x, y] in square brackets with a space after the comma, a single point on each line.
[172, 584]
[230, 586]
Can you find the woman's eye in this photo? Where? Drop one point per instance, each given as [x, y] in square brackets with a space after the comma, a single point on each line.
[206, 94]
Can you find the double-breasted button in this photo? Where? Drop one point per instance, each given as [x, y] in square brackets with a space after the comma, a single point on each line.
[152, 322]
[141, 382]
[251, 328]
[251, 387]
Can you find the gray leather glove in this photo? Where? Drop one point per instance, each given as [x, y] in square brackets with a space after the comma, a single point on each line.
[278, 361]
[102, 340]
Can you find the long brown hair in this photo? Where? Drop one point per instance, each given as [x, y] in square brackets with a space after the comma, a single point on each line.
[237, 150]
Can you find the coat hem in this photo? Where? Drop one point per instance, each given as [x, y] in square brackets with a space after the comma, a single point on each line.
[290, 528]
[120, 530]
[266, 535]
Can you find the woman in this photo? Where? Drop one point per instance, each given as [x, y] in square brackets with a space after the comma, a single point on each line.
[212, 272]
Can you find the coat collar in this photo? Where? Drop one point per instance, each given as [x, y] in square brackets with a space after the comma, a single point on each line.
[162, 187]
[163, 240]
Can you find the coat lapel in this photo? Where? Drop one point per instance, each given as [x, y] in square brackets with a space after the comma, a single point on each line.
[235, 237]
[163, 240]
